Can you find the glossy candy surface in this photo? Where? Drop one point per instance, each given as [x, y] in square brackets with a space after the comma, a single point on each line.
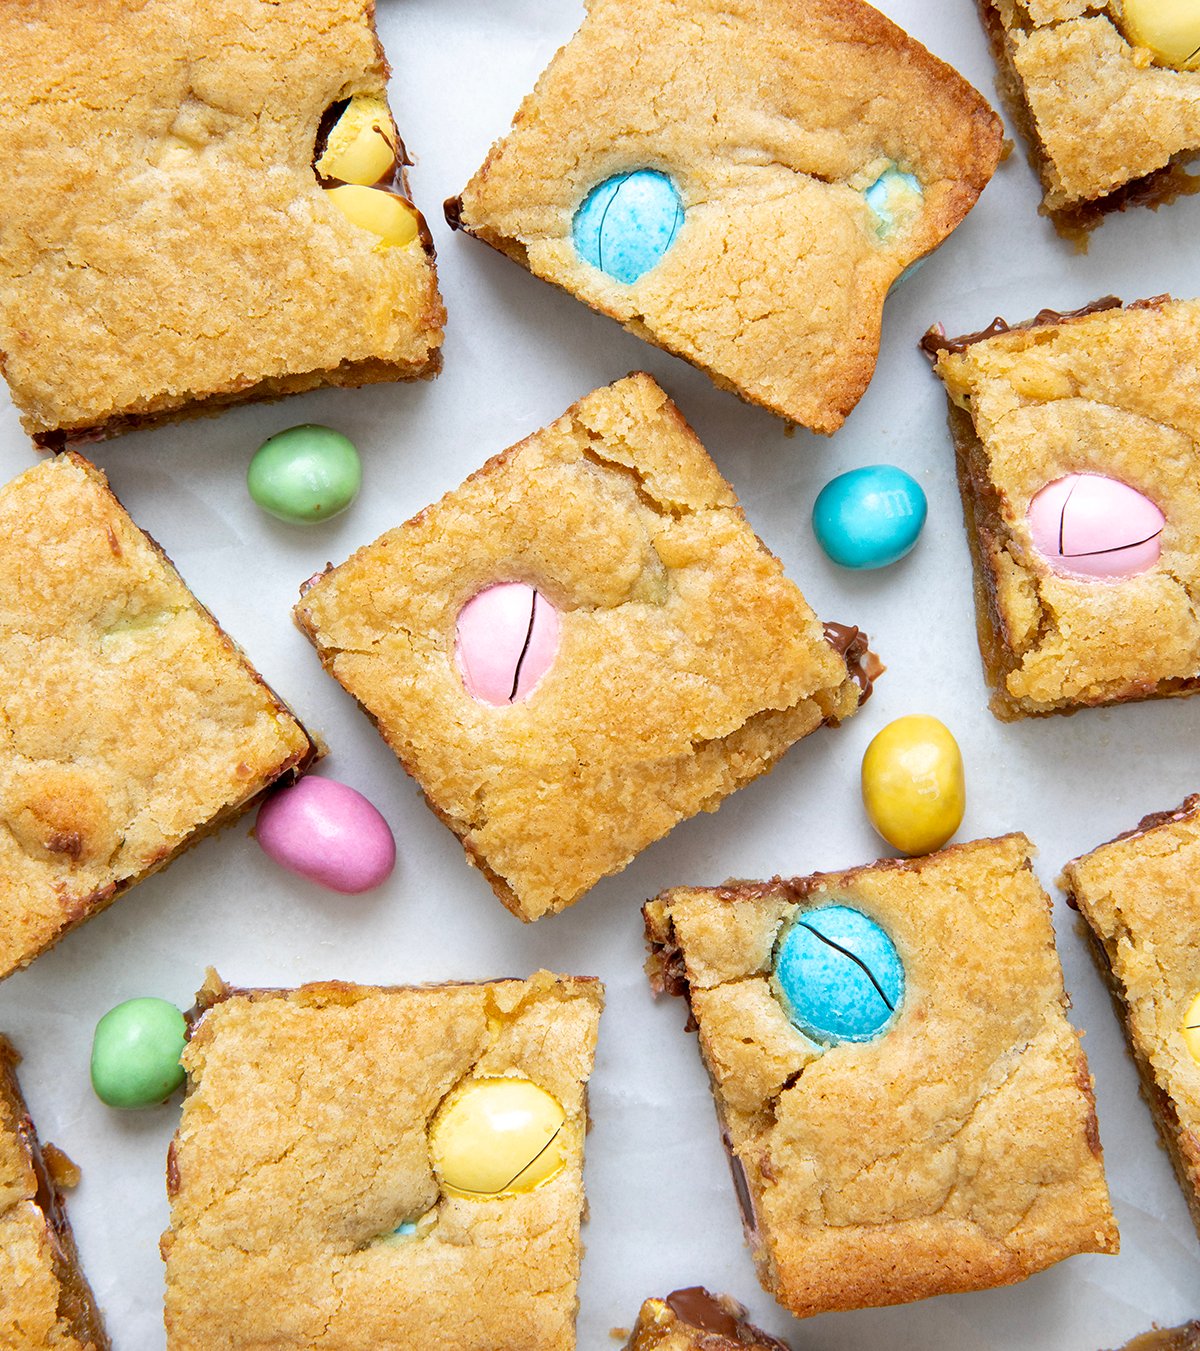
[1170, 29]
[506, 640]
[895, 200]
[496, 1136]
[328, 832]
[628, 223]
[386, 214]
[1090, 525]
[305, 474]
[1191, 1029]
[135, 1053]
[869, 517]
[360, 147]
[839, 975]
[913, 785]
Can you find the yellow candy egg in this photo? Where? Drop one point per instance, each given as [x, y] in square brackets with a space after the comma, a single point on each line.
[385, 214]
[1191, 1029]
[361, 145]
[912, 784]
[497, 1136]
[1168, 29]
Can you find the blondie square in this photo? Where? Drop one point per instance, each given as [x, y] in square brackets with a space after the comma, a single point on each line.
[662, 659]
[319, 1178]
[168, 229]
[1185, 1338]
[747, 191]
[933, 1129]
[1078, 444]
[1109, 121]
[1140, 896]
[132, 725]
[697, 1320]
[46, 1303]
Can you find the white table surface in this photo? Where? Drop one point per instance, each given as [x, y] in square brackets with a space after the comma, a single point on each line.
[517, 354]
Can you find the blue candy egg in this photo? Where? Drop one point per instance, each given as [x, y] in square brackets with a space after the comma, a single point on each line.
[869, 517]
[894, 198]
[839, 975]
[627, 223]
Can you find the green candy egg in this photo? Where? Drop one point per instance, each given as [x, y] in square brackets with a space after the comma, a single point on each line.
[135, 1053]
[305, 474]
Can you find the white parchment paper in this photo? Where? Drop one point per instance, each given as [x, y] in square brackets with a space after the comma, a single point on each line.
[517, 353]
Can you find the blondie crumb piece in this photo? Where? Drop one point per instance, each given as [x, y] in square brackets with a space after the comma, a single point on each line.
[955, 1149]
[132, 725]
[46, 1303]
[686, 662]
[697, 1320]
[306, 1208]
[1141, 899]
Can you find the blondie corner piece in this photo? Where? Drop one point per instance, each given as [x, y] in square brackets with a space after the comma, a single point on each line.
[697, 1320]
[173, 231]
[1109, 123]
[653, 656]
[346, 1127]
[1185, 1338]
[948, 1144]
[132, 725]
[747, 192]
[1141, 899]
[46, 1303]
[1078, 446]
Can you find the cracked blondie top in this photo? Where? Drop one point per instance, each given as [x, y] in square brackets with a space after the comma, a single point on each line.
[46, 1303]
[132, 725]
[1140, 896]
[1112, 392]
[305, 1207]
[697, 1320]
[774, 119]
[190, 257]
[958, 1150]
[686, 662]
[1106, 124]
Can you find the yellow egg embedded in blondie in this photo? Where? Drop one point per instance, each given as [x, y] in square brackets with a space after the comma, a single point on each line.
[497, 1136]
[386, 214]
[361, 145]
[1191, 1029]
[1168, 29]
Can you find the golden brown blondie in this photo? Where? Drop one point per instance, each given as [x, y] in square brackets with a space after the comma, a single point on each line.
[1141, 899]
[814, 152]
[46, 1303]
[1109, 123]
[311, 1202]
[132, 725]
[697, 1320]
[1112, 395]
[169, 248]
[951, 1147]
[1185, 1338]
[686, 662]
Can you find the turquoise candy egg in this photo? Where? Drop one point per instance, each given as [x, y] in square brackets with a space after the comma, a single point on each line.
[135, 1053]
[627, 224]
[305, 474]
[894, 198]
[869, 517]
[838, 975]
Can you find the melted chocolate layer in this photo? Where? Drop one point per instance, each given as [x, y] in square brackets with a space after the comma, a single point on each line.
[851, 644]
[935, 342]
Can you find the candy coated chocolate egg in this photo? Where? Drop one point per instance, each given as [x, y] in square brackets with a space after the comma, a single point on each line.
[495, 1136]
[895, 200]
[506, 640]
[135, 1053]
[1090, 525]
[1169, 29]
[360, 147]
[386, 214]
[327, 832]
[627, 224]
[1191, 1029]
[869, 517]
[305, 474]
[912, 784]
[839, 975]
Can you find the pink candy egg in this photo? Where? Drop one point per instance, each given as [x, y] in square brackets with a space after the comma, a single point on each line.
[327, 832]
[506, 641]
[1090, 525]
